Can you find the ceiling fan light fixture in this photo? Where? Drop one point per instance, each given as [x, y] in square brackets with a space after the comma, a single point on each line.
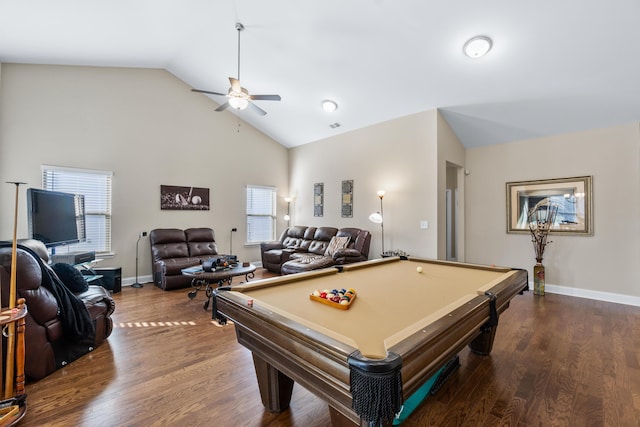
[477, 47]
[329, 106]
[238, 97]
[239, 103]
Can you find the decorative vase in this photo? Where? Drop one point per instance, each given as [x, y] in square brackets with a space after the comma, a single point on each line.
[538, 277]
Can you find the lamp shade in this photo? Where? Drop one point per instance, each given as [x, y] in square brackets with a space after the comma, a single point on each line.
[376, 218]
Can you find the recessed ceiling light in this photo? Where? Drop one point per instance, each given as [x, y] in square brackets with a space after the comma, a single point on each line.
[477, 46]
[329, 105]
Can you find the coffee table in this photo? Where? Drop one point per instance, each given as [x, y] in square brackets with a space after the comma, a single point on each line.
[209, 280]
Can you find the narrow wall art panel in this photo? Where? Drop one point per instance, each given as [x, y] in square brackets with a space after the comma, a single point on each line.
[347, 199]
[318, 199]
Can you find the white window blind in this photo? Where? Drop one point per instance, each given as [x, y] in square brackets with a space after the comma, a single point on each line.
[261, 214]
[95, 186]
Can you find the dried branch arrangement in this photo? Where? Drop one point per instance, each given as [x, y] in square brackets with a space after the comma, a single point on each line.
[541, 219]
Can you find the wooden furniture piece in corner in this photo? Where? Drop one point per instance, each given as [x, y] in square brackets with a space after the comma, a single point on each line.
[13, 401]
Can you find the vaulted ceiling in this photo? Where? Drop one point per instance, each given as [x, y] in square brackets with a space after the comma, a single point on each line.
[555, 66]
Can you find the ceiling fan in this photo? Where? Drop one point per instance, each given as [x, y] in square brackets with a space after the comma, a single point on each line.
[239, 97]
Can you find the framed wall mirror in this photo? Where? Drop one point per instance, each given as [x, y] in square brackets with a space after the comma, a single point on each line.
[572, 195]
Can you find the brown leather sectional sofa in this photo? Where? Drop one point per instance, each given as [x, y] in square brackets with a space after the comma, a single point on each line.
[173, 249]
[302, 248]
[58, 328]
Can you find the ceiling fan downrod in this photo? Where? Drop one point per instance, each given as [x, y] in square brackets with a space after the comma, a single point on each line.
[240, 28]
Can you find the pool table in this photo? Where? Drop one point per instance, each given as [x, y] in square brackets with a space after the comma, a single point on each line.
[403, 326]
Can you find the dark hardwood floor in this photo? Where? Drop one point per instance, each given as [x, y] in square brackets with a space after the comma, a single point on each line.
[556, 361]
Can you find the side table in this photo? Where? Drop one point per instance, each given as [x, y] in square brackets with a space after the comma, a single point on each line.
[201, 279]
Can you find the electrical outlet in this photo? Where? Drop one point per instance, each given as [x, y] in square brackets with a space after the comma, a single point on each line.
[143, 234]
[234, 229]
[424, 224]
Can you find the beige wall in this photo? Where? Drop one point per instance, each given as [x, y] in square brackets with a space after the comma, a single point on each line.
[149, 129]
[594, 266]
[398, 156]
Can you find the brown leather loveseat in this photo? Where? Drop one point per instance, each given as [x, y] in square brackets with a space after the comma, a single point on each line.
[301, 248]
[61, 325]
[173, 249]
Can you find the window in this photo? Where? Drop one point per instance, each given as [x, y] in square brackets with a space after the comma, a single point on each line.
[261, 214]
[96, 188]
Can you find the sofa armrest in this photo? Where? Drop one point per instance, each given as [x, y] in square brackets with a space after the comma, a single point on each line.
[266, 246]
[348, 255]
[158, 273]
[286, 254]
[95, 295]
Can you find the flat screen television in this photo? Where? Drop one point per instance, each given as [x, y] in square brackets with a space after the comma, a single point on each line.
[55, 218]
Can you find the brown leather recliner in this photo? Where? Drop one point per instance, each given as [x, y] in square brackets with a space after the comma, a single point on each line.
[302, 248]
[173, 249]
[48, 341]
[294, 239]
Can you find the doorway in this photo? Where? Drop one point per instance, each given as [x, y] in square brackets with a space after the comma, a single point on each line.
[453, 213]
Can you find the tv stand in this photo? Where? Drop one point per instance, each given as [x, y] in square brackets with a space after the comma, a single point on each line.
[73, 258]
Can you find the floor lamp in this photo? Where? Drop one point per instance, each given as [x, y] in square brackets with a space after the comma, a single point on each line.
[138, 284]
[287, 217]
[378, 218]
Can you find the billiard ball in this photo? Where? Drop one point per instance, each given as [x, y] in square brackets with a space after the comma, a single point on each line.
[419, 269]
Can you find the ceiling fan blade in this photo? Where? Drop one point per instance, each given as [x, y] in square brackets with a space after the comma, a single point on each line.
[265, 97]
[223, 107]
[257, 109]
[235, 85]
[209, 92]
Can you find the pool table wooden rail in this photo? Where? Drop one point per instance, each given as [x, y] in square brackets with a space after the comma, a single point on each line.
[285, 351]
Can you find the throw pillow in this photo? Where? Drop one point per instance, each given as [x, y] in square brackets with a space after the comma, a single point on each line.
[71, 277]
[335, 244]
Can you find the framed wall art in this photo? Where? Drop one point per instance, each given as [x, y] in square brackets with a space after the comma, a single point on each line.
[573, 196]
[347, 199]
[174, 197]
[318, 199]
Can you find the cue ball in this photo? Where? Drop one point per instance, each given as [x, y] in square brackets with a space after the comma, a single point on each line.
[419, 269]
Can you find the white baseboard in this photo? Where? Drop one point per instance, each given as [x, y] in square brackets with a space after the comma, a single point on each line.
[589, 294]
[128, 281]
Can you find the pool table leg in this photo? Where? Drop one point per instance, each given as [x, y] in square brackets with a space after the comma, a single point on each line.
[483, 343]
[275, 387]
